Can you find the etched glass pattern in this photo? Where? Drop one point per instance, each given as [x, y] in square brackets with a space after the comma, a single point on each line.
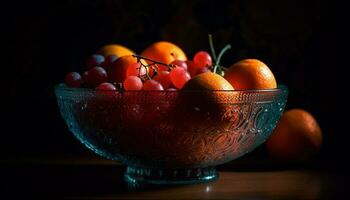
[171, 130]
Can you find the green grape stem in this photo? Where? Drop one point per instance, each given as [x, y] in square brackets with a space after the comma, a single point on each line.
[211, 44]
[217, 61]
[216, 66]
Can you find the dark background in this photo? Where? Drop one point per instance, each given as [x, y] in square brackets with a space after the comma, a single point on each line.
[301, 41]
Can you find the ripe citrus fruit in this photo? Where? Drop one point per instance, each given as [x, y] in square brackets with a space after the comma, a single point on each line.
[165, 52]
[250, 74]
[115, 49]
[296, 138]
[208, 81]
[199, 104]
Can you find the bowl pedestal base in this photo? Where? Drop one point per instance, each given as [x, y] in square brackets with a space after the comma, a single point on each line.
[141, 176]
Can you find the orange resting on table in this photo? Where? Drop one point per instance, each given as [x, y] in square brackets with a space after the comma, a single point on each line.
[250, 74]
[297, 136]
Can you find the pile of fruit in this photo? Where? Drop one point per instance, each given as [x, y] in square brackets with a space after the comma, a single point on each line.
[164, 66]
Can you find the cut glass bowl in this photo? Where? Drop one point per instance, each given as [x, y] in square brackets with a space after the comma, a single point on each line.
[171, 137]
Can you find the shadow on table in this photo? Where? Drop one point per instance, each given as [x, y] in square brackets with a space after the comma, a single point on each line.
[267, 165]
[94, 181]
[67, 181]
[242, 179]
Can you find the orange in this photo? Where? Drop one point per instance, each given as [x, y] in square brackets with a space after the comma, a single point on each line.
[296, 137]
[208, 81]
[118, 70]
[250, 74]
[115, 49]
[198, 102]
[164, 52]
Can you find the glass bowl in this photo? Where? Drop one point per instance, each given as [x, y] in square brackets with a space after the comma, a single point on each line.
[171, 137]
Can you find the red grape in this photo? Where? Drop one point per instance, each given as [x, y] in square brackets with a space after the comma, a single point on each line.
[95, 76]
[162, 68]
[73, 79]
[195, 70]
[202, 59]
[109, 60]
[179, 77]
[192, 69]
[163, 77]
[106, 86]
[180, 63]
[108, 90]
[95, 60]
[85, 77]
[135, 69]
[133, 83]
[202, 70]
[171, 89]
[152, 85]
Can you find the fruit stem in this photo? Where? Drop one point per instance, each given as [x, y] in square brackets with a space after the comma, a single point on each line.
[154, 61]
[216, 65]
[226, 48]
[142, 65]
[153, 65]
[211, 44]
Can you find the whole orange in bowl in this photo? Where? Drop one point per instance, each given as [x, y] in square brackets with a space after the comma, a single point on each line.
[202, 96]
[208, 81]
[164, 52]
[115, 49]
[250, 74]
[297, 136]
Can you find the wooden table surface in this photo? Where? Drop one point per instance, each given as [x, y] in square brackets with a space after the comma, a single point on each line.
[97, 179]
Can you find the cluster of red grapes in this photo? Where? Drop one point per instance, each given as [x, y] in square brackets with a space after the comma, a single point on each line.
[139, 76]
[95, 76]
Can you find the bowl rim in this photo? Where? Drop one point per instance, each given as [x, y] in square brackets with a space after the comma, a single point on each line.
[63, 87]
